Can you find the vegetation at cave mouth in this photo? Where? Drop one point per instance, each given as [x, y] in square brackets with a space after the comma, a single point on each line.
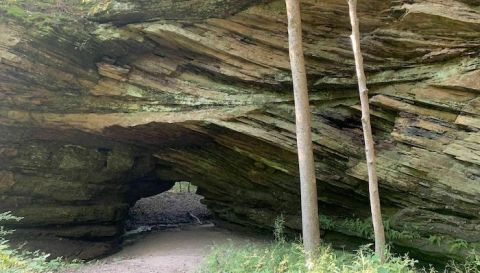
[18, 261]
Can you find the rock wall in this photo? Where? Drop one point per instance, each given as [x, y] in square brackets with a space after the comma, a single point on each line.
[96, 98]
[73, 189]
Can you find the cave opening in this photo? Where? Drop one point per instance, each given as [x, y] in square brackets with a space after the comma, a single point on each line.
[177, 207]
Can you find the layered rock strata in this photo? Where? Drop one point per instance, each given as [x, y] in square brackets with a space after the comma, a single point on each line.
[105, 103]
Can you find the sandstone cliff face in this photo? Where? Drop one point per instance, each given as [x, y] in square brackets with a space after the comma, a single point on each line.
[98, 110]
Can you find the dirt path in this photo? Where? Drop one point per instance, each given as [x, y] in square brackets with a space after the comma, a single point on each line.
[167, 251]
[171, 251]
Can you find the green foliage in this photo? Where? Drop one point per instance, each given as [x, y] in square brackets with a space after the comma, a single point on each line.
[183, 186]
[16, 11]
[454, 244]
[393, 234]
[6, 216]
[326, 223]
[289, 257]
[364, 228]
[471, 265]
[282, 257]
[435, 239]
[15, 261]
[458, 244]
[279, 229]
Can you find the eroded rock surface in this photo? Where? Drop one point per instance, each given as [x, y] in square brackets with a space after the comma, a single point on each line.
[92, 103]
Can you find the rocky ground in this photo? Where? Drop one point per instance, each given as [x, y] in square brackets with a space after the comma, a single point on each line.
[168, 209]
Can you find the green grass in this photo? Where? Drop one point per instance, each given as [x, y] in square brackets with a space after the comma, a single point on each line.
[16, 11]
[289, 257]
[283, 257]
[16, 261]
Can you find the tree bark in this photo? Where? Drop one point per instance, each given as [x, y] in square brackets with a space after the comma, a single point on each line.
[310, 224]
[367, 133]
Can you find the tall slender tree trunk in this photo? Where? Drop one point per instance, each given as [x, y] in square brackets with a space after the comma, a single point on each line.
[367, 132]
[308, 184]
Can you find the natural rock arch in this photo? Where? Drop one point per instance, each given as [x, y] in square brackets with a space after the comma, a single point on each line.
[90, 108]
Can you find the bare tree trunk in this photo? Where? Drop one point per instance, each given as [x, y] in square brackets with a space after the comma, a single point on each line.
[308, 184]
[367, 132]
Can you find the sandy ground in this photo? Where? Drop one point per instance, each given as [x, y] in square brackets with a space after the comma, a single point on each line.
[170, 251]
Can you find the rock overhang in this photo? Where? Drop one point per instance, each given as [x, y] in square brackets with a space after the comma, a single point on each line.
[209, 100]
